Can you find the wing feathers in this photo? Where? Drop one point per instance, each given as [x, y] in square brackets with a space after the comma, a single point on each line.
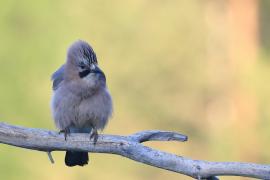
[58, 77]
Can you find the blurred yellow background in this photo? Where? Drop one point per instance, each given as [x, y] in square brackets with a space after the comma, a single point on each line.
[196, 67]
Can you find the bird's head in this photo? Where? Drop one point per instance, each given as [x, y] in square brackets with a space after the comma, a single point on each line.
[82, 66]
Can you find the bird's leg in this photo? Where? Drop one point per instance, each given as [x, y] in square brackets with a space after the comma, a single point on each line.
[66, 131]
[94, 135]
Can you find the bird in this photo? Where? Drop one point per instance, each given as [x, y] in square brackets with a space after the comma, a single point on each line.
[81, 101]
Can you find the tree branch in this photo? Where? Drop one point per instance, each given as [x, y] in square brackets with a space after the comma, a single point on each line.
[130, 147]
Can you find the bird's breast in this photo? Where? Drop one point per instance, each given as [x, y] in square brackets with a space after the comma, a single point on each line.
[95, 109]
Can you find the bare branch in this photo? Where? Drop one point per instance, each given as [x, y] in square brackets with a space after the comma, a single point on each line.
[130, 147]
[156, 135]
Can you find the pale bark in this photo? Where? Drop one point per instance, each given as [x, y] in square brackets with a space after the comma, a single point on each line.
[130, 147]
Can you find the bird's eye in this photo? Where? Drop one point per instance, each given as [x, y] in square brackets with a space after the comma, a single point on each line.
[82, 66]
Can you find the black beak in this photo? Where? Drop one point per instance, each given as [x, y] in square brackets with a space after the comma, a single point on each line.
[97, 70]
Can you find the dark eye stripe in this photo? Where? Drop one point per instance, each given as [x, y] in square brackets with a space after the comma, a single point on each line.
[84, 73]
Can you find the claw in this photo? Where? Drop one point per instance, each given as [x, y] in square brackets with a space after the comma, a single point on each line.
[94, 135]
[66, 131]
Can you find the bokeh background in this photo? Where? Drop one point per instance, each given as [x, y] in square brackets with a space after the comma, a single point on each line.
[200, 67]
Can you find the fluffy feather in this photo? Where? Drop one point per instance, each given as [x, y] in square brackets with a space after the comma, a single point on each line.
[81, 99]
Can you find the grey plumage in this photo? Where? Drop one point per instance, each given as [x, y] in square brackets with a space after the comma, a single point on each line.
[81, 101]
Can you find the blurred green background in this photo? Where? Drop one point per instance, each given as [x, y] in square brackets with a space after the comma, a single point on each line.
[191, 66]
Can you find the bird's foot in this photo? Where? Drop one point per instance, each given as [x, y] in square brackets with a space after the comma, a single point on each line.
[66, 132]
[94, 135]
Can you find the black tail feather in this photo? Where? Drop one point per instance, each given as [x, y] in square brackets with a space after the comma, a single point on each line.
[74, 158]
